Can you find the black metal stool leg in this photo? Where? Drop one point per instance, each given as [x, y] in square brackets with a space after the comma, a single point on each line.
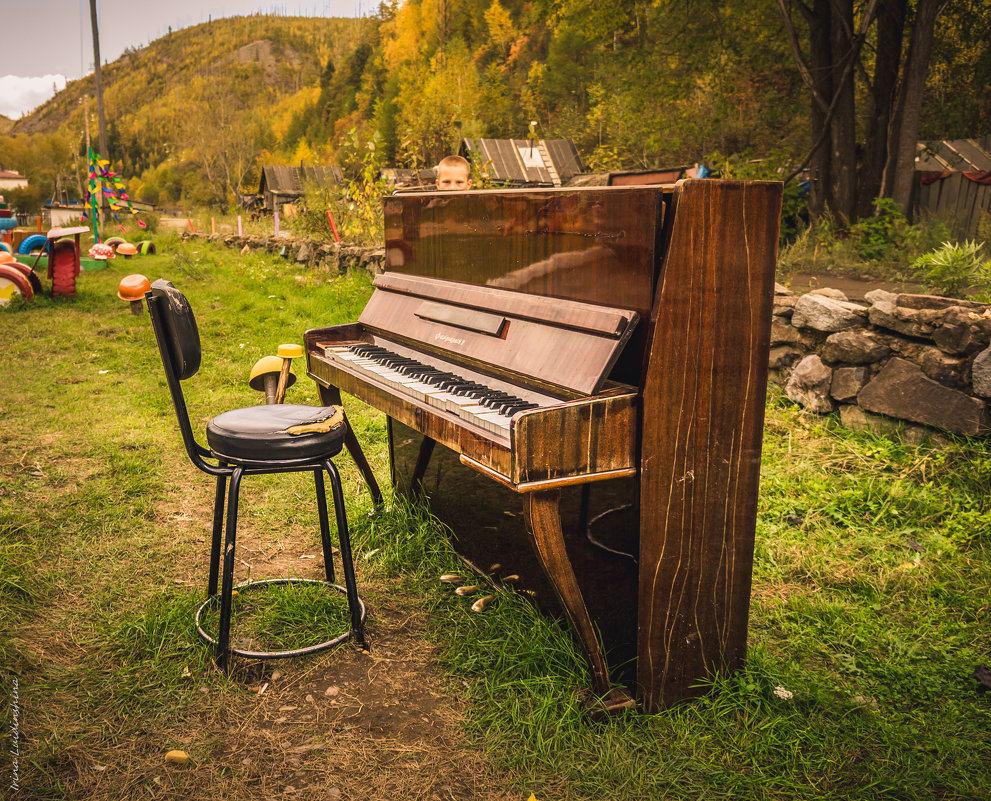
[218, 529]
[357, 628]
[328, 548]
[223, 637]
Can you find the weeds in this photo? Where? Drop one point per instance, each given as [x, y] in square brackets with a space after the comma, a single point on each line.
[954, 268]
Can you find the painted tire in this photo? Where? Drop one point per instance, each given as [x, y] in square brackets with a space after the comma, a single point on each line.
[30, 274]
[13, 281]
[146, 247]
[33, 242]
[6, 246]
[114, 241]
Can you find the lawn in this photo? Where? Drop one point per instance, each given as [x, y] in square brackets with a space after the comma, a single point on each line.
[871, 605]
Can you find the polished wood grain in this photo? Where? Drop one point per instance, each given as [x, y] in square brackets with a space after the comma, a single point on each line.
[703, 412]
[593, 245]
[564, 346]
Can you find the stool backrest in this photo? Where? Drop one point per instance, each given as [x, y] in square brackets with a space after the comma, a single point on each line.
[179, 346]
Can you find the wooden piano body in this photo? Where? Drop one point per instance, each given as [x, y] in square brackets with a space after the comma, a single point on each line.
[630, 327]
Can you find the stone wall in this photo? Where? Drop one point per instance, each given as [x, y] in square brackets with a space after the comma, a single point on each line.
[305, 252]
[921, 359]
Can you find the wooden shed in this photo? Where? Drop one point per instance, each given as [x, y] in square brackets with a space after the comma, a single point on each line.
[524, 162]
[953, 183]
[281, 185]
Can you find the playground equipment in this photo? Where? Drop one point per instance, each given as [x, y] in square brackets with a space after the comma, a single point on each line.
[264, 376]
[127, 250]
[15, 281]
[132, 288]
[146, 247]
[63, 259]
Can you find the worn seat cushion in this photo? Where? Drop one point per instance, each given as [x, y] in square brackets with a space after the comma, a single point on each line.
[261, 433]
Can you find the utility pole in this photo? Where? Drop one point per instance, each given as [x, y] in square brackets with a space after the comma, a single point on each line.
[101, 119]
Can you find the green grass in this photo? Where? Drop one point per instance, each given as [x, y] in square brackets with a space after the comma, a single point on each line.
[870, 598]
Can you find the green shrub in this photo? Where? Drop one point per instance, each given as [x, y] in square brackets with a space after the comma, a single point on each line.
[876, 236]
[953, 268]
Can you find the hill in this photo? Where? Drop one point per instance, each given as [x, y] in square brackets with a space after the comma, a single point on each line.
[199, 103]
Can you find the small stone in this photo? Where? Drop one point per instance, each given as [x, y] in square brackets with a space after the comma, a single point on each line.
[809, 385]
[176, 757]
[330, 692]
[309, 699]
[276, 675]
[334, 792]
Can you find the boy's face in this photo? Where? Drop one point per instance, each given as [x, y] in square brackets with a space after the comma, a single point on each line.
[452, 178]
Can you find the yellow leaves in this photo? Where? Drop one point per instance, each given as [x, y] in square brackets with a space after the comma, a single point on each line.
[500, 24]
[283, 112]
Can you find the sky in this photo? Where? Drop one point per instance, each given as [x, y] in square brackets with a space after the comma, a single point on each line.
[46, 42]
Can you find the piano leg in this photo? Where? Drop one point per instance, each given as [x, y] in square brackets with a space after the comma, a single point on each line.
[331, 396]
[543, 514]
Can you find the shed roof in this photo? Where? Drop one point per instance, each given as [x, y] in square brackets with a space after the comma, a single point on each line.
[961, 155]
[282, 180]
[525, 162]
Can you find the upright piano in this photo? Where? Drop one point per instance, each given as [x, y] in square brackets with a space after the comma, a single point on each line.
[574, 379]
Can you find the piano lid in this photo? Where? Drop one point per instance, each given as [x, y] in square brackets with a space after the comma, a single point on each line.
[562, 345]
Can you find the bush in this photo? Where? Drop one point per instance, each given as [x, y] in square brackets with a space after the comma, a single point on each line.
[954, 268]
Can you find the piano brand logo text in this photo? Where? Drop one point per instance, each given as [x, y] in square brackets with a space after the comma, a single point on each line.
[449, 339]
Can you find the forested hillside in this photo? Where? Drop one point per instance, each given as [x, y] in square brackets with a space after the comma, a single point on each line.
[194, 115]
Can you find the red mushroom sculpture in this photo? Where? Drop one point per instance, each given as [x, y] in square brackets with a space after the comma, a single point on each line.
[101, 251]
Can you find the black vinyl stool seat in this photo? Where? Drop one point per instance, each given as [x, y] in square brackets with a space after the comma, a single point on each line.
[280, 438]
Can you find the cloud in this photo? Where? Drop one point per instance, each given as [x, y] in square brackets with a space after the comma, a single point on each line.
[19, 95]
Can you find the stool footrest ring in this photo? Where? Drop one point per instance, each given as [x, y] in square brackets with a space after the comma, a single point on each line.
[309, 649]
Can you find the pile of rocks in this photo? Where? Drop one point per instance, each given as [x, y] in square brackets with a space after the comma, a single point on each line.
[308, 252]
[918, 358]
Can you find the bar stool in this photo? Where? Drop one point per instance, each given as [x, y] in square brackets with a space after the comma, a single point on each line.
[280, 438]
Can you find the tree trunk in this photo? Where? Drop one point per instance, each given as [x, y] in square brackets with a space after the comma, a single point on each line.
[890, 29]
[900, 170]
[843, 133]
[820, 195]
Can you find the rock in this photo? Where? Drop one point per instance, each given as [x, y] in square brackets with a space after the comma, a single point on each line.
[827, 314]
[856, 419]
[304, 253]
[905, 321]
[782, 333]
[829, 292]
[950, 371]
[784, 305]
[953, 338]
[783, 356]
[781, 289]
[853, 347]
[880, 295]
[981, 373]
[847, 382]
[937, 302]
[809, 384]
[902, 390]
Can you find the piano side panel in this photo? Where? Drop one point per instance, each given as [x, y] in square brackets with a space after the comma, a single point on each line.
[594, 245]
[703, 412]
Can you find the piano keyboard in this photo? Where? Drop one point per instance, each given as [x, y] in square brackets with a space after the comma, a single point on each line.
[486, 407]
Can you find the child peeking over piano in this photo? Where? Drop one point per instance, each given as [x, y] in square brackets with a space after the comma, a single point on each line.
[453, 174]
